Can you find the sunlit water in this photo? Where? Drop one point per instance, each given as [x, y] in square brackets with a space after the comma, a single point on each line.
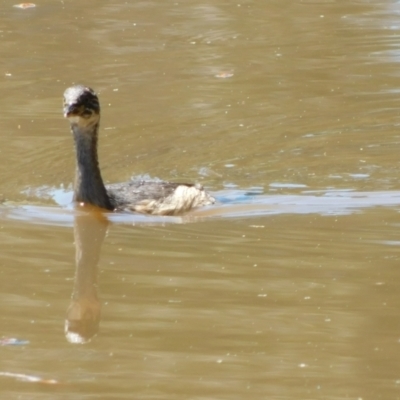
[287, 287]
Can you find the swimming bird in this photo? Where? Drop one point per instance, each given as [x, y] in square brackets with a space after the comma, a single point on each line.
[82, 109]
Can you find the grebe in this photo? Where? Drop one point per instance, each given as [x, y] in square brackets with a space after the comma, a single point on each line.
[82, 108]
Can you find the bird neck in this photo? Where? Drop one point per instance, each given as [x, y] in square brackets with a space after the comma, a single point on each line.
[89, 187]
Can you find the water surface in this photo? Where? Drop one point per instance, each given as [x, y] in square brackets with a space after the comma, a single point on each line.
[287, 288]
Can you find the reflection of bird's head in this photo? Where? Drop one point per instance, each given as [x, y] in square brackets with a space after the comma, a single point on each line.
[79, 332]
[81, 105]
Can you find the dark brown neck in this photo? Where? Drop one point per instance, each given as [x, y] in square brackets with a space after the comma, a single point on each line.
[89, 187]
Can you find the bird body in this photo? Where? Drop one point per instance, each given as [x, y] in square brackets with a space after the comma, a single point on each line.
[82, 108]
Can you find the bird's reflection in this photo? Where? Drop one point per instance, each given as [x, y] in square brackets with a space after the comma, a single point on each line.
[83, 314]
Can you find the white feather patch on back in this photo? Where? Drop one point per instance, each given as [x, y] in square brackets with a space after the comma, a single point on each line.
[184, 198]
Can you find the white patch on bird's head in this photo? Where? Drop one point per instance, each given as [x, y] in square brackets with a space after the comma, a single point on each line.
[83, 121]
[74, 119]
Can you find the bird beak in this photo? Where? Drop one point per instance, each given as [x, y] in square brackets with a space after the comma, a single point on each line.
[69, 110]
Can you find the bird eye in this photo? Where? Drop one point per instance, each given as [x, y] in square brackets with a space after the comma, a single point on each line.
[87, 112]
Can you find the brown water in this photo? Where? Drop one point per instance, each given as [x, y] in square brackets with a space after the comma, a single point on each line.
[288, 287]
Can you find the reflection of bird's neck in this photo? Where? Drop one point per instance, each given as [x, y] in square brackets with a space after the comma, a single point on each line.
[89, 186]
[83, 314]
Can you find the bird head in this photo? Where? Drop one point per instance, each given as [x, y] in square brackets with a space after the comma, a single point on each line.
[81, 105]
